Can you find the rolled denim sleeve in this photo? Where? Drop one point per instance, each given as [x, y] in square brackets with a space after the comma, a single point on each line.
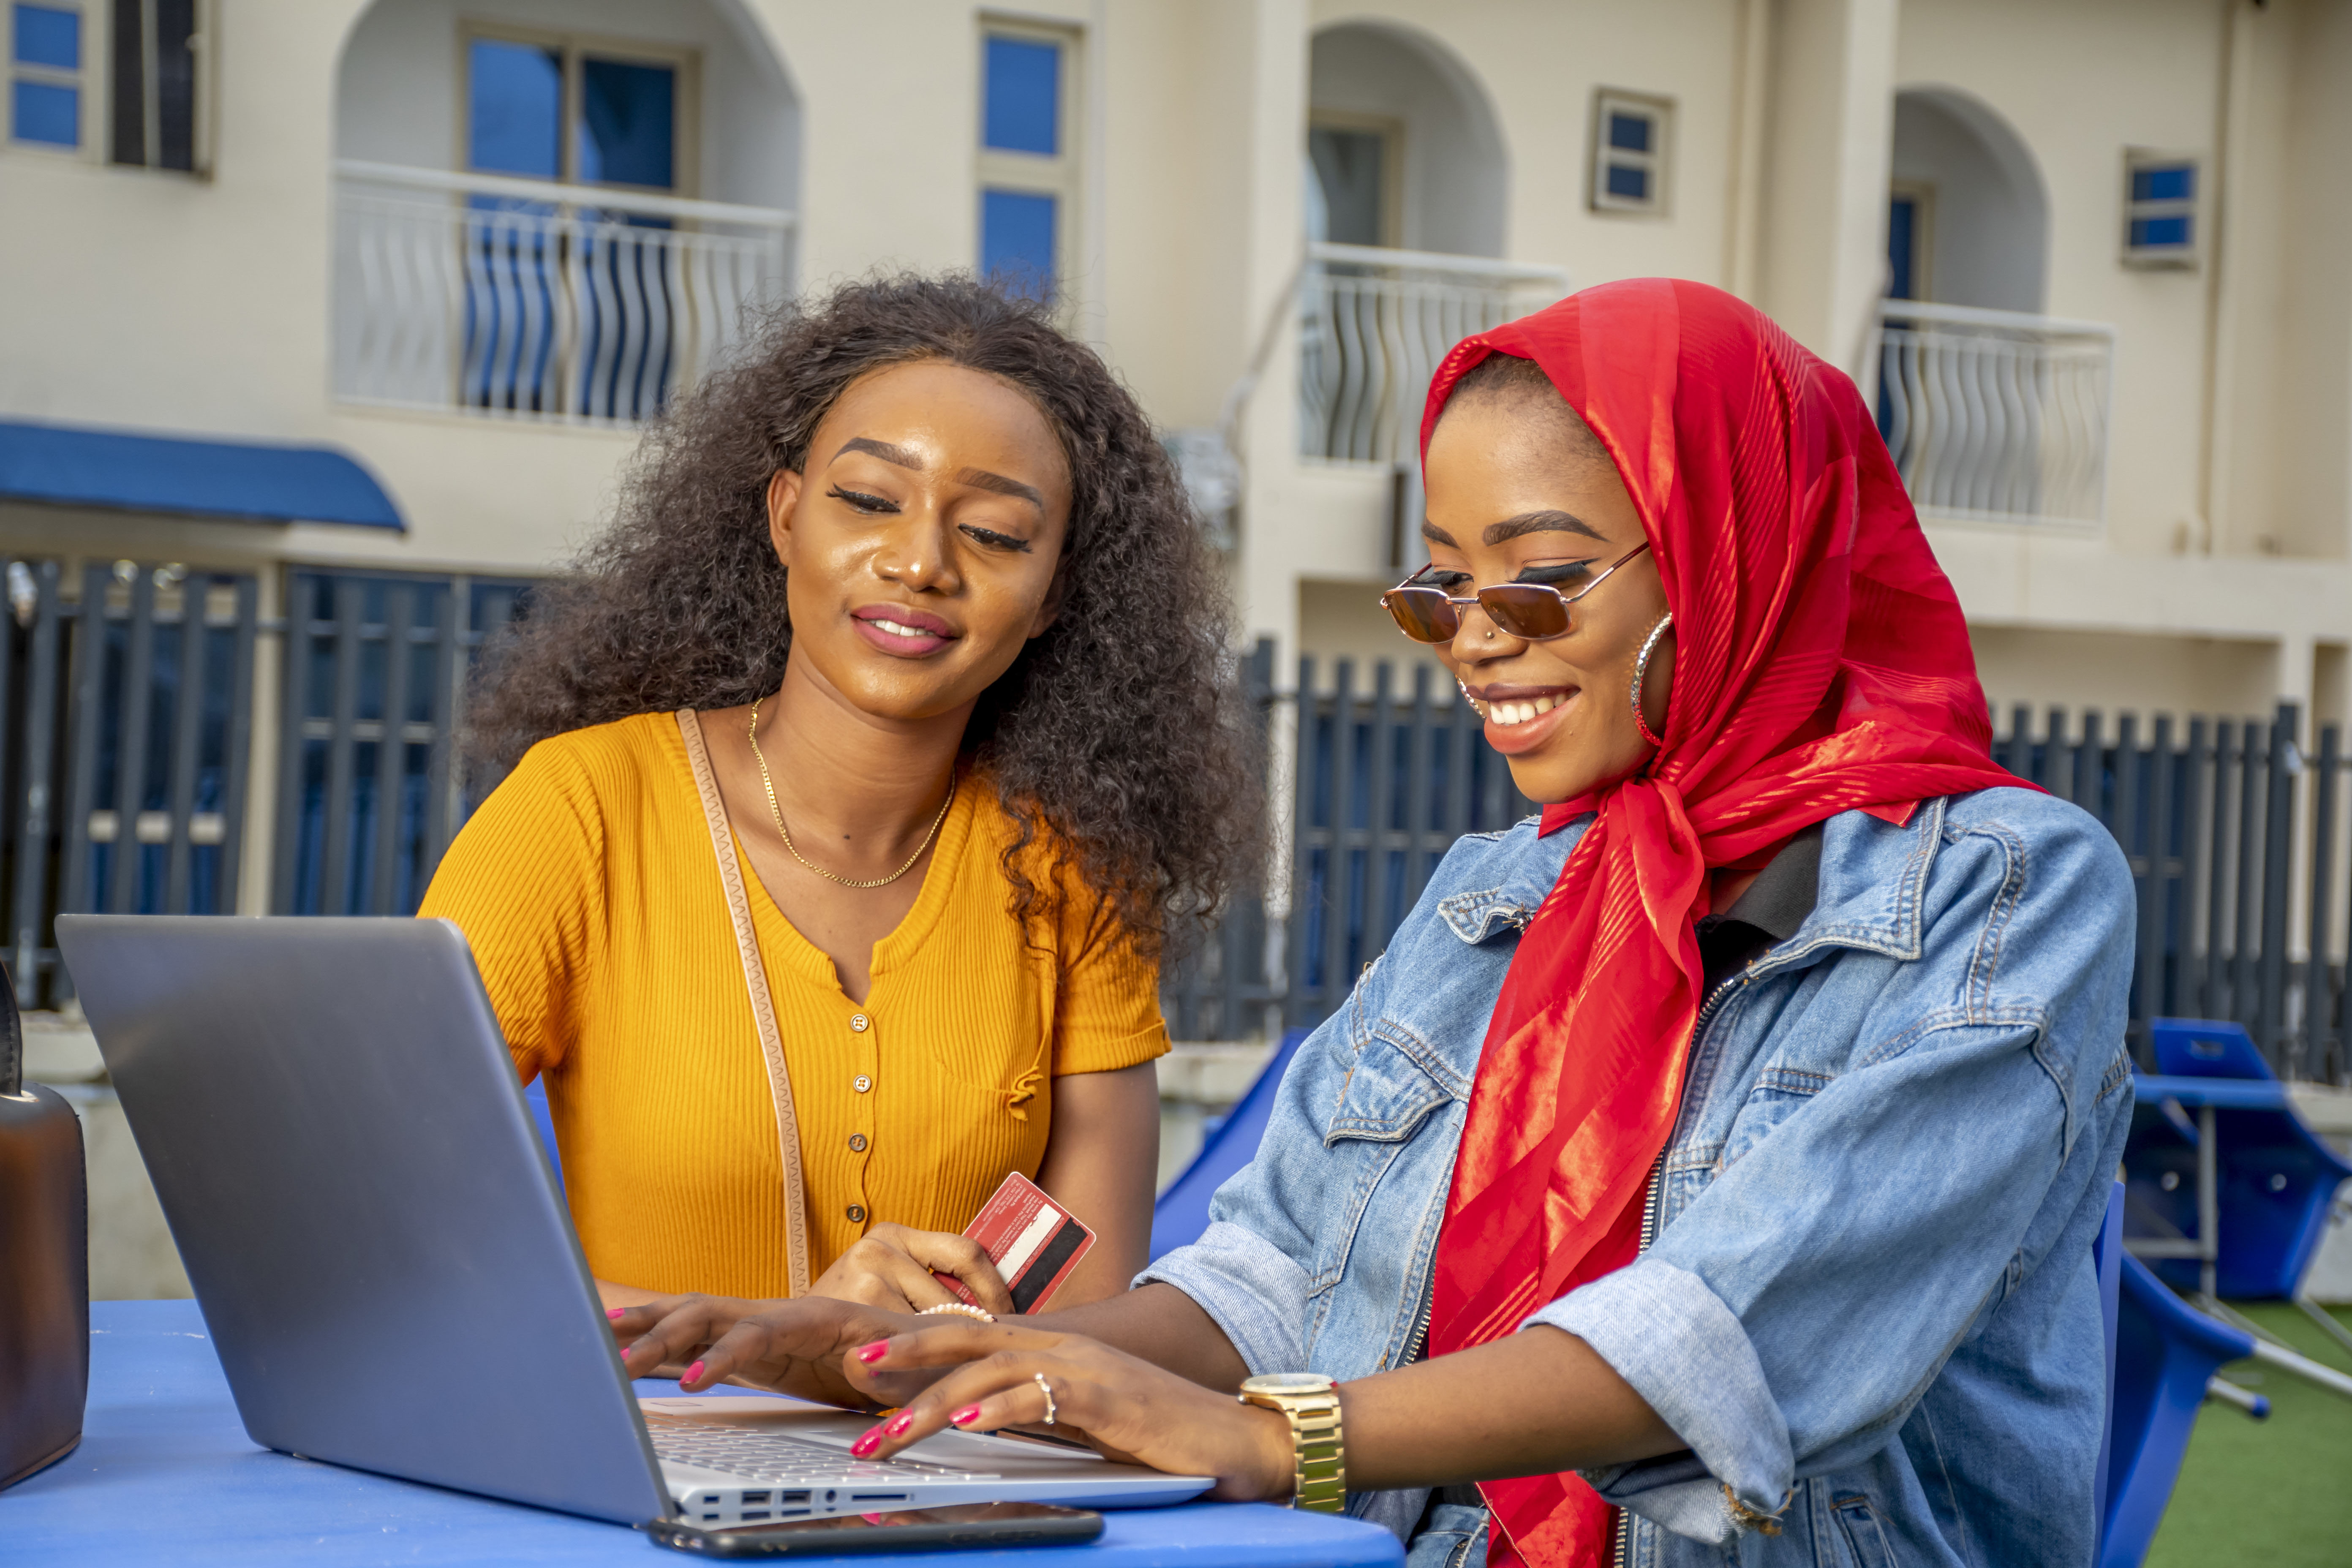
[1254, 1290]
[1251, 1267]
[1786, 1321]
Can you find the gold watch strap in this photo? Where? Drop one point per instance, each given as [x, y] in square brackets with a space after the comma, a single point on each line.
[1319, 1456]
[1322, 1457]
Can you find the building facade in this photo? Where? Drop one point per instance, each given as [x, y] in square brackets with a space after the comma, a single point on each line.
[450, 253]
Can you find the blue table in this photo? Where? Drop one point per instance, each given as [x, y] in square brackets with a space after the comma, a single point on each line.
[166, 1474]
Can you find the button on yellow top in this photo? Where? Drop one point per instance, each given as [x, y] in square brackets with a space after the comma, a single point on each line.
[587, 889]
[861, 1083]
[857, 1022]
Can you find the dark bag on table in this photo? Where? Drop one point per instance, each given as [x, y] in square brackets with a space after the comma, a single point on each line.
[44, 1265]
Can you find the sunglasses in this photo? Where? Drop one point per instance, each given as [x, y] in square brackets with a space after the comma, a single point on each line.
[1533, 612]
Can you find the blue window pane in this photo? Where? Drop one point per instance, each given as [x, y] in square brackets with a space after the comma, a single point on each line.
[1022, 94]
[516, 123]
[40, 112]
[1016, 241]
[49, 36]
[2177, 183]
[1902, 243]
[1629, 181]
[628, 123]
[2160, 233]
[1629, 132]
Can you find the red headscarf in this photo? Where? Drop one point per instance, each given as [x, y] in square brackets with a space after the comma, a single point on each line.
[1821, 666]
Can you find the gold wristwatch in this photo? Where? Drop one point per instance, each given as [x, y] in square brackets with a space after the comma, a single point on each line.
[1311, 1403]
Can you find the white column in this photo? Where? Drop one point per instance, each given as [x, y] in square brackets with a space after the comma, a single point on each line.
[1266, 576]
[1829, 127]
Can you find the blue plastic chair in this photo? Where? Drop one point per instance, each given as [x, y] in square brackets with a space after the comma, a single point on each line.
[2275, 1178]
[1182, 1212]
[2164, 1353]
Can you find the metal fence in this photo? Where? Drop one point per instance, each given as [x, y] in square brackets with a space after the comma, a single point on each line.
[135, 705]
[126, 715]
[2236, 837]
[368, 793]
[1380, 783]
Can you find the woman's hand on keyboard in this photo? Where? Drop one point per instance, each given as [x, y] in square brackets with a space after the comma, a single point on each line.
[987, 1378]
[796, 1346]
[893, 1267]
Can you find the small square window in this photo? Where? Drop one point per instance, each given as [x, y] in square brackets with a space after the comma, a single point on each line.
[1629, 152]
[42, 112]
[47, 37]
[45, 47]
[1028, 164]
[1630, 132]
[2160, 219]
[1016, 241]
[1022, 84]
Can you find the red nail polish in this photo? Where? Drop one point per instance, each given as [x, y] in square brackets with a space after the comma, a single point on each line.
[616, 1312]
[867, 1444]
[692, 1373]
[871, 1353]
[898, 1423]
[969, 1412]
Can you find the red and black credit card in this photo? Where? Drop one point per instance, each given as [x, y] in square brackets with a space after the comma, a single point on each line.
[1033, 1241]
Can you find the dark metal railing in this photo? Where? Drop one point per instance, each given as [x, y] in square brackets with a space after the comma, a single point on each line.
[2235, 835]
[369, 794]
[126, 720]
[129, 728]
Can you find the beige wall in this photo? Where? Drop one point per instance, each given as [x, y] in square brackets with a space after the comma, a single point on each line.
[2123, 673]
[1344, 620]
[201, 306]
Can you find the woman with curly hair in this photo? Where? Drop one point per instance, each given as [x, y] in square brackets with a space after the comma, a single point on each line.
[906, 615]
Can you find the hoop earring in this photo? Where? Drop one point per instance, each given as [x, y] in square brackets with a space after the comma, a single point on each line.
[1642, 668]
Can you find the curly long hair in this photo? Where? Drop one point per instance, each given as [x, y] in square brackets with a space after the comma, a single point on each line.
[1117, 734]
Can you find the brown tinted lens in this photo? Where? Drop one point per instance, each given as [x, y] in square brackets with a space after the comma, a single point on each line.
[1525, 610]
[1423, 615]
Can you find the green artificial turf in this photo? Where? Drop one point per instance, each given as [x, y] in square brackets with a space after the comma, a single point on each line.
[2276, 1493]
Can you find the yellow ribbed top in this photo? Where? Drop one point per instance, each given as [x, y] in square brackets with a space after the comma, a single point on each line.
[589, 891]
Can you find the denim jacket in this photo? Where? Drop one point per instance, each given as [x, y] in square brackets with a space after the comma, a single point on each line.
[1870, 1308]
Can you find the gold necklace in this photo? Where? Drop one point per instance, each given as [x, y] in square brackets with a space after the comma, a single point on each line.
[786, 834]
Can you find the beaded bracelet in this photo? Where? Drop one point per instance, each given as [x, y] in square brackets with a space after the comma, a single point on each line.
[963, 1308]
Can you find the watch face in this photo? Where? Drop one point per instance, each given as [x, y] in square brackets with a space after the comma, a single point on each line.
[1289, 1383]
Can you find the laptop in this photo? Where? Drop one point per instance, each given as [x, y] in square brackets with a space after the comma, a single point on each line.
[385, 1262]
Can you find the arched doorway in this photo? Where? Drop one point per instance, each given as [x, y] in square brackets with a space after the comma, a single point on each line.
[1969, 221]
[1403, 149]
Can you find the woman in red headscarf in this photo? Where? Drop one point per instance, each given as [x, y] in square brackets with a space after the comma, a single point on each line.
[1718, 1156]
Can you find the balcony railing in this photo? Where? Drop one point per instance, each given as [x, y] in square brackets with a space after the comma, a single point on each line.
[1995, 416]
[529, 299]
[1373, 323]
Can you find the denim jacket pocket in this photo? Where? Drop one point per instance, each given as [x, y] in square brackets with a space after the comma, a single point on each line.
[1388, 1094]
[1387, 1100]
[1778, 1094]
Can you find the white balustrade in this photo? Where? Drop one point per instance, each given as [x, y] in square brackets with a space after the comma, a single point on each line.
[525, 298]
[1374, 324]
[1994, 415]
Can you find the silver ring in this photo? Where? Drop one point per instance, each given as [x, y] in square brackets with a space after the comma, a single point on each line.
[1642, 668]
[1046, 1389]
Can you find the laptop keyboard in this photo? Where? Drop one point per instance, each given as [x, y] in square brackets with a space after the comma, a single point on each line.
[781, 1460]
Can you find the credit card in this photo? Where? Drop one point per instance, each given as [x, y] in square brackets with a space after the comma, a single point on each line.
[1033, 1241]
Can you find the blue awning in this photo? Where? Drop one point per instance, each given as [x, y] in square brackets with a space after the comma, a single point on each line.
[74, 466]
